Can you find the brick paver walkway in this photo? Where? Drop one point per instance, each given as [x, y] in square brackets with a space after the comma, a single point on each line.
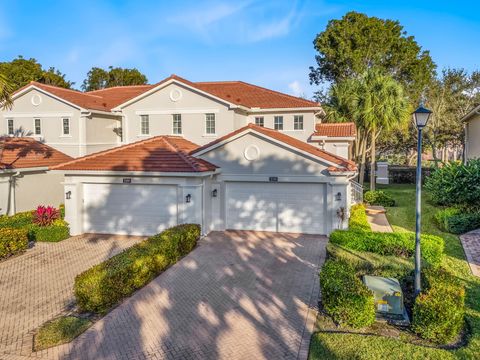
[238, 295]
[471, 245]
[37, 285]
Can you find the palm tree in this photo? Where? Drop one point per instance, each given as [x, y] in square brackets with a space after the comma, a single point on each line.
[376, 103]
[381, 106]
[6, 90]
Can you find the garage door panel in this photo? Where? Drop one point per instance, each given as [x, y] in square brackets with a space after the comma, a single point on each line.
[129, 209]
[276, 207]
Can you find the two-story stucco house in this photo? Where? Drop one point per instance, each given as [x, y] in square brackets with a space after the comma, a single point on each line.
[226, 155]
[472, 134]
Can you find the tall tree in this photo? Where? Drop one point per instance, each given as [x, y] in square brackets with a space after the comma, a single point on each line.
[98, 78]
[350, 46]
[376, 103]
[21, 71]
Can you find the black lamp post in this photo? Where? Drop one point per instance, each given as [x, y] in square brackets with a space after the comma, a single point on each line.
[420, 116]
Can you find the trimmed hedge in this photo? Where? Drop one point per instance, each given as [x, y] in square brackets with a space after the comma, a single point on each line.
[358, 218]
[18, 220]
[398, 244]
[379, 197]
[438, 313]
[58, 231]
[12, 241]
[344, 297]
[104, 285]
[457, 221]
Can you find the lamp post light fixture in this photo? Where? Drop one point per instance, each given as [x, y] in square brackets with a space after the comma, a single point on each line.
[421, 116]
[188, 198]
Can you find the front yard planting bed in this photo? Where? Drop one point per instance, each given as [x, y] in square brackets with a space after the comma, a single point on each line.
[60, 331]
[450, 299]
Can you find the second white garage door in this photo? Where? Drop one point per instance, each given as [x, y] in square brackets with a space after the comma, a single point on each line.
[279, 207]
[129, 209]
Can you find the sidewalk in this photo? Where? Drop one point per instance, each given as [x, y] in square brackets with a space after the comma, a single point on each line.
[377, 219]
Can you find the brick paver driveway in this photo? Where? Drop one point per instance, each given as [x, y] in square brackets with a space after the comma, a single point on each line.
[238, 295]
[471, 245]
[37, 286]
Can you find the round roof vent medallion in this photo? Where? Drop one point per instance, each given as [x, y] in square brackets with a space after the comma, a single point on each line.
[175, 94]
[252, 152]
[36, 99]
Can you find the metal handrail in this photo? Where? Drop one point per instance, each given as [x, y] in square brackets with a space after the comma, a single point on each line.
[357, 192]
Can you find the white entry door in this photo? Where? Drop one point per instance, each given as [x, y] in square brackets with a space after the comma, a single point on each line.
[293, 207]
[128, 209]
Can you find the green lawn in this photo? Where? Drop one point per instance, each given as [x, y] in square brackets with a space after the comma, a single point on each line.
[357, 346]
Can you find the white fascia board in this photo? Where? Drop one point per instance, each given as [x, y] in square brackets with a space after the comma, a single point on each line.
[28, 88]
[474, 111]
[177, 111]
[161, 86]
[262, 110]
[320, 138]
[100, 112]
[249, 130]
[37, 114]
[135, 173]
[23, 170]
[342, 173]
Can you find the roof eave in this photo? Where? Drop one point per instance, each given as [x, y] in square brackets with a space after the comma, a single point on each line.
[33, 86]
[324, 137]
[474, 111]
[136, 173]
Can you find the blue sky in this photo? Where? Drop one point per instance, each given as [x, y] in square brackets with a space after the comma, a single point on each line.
[265, 42]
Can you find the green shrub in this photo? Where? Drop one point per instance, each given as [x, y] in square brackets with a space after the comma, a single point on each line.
[379, 198]
[455, 184]
[58, 231]
[398, 244]
[104, 285]
[344, 297]
[12, 241]
[438, 313]
[60, 331]
[358, 218]
[16, 221]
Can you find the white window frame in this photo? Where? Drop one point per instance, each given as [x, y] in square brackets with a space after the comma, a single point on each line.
[298, 120]
[10, 133]
[261, 119]
[35, 126]
[278, 126]
[209, 117]
[69, 134]
[144, 125]
[177, 124]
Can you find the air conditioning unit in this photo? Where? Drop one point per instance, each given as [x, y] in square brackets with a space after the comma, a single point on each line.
[388, 297]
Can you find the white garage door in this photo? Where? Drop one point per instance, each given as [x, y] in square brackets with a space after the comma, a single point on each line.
[129, 209]
[276, 207]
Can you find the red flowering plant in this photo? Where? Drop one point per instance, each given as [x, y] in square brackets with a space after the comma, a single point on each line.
[45, 215]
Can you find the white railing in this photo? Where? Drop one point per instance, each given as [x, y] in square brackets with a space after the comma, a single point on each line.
[357, 192]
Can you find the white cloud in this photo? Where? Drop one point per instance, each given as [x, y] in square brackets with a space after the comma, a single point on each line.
[296, 89]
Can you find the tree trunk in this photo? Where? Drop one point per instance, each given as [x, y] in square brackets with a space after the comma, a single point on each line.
[372, 162]
[434, 153]
[361, 175]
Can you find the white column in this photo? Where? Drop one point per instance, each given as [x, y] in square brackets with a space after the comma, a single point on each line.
[73, 193]
[82, 135]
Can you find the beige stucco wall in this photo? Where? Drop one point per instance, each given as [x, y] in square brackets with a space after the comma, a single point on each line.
[272, 159]
[473, 137]
[31, 190]
[51, 112]
[192, 106]
[309, 121]
[100, 132]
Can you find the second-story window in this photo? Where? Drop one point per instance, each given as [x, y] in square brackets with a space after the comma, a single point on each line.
[38, 127]
[144, 125]
[66, 126]
[10, 128]
[298, 122]
[259, 120]
[278, 122]
[177, 123]
[210, 124]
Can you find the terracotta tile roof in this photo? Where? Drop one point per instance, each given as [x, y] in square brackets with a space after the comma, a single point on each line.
[156, 154]
[336, 129]
[25, 152]
[235, 92]
[341, 163]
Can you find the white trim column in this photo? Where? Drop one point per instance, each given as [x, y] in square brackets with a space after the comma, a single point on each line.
[73, 193]
[82, 135]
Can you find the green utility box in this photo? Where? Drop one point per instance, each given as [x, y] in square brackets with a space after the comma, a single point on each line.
[387, 293]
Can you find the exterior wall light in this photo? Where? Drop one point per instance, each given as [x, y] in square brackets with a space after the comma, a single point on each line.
[338, 196]
[188, 198]
[214, 193]
[68, 195]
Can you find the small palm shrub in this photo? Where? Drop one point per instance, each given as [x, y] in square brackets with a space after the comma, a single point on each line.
[45, 215]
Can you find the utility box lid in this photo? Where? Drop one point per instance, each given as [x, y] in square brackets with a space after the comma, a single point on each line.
[387, 293]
